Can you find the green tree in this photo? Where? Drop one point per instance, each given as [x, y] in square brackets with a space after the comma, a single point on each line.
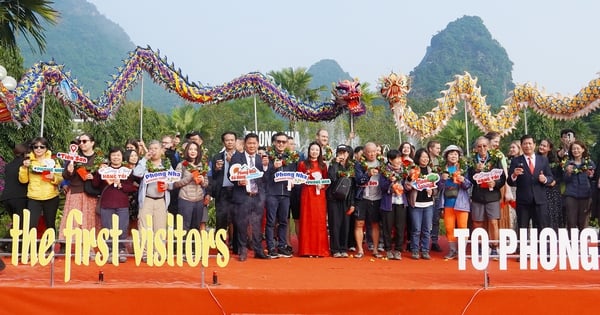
[126, 125]
[297, 82]
[23, 16]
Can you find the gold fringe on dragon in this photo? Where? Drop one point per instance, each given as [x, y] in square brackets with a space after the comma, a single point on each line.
[395, 87]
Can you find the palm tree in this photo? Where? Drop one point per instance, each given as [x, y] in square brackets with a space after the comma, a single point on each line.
[23, 16]
[296, 82]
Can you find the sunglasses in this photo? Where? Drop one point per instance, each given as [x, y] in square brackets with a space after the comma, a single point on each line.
[281, 141]
[84, 141]
[39, 146]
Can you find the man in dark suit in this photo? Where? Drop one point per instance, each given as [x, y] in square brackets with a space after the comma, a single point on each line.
[249, 196]
[278, 196]
[221, 188]
[530, 173]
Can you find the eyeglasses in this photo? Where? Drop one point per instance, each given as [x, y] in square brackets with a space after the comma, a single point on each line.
[281, 141]
[39, 146]
[84, 141]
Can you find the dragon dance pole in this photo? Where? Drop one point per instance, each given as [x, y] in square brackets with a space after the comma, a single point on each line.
[466, 130]
[141, 106]
[43, 113]
[255, 117]
[525, 116]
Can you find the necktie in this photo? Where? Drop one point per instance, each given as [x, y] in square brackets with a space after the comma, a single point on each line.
[253, 186]
[530, 165]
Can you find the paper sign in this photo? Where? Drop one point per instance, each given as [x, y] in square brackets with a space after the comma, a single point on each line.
[484, 177]
[162, 176]
[429, 182]
[72, 155]
[325, 181]
[49, 166]
[296, 177]
[239, 172]
[41, 169]
[108, 173]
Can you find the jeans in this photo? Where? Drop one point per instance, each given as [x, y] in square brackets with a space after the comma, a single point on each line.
[278, 210]
[421, 228]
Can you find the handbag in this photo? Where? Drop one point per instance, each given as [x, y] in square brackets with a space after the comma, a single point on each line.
[341, 188]
[98, 204]
[89, 189]
[451, 193]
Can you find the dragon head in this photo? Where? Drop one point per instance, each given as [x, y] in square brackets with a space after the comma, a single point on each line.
[394, 88]
[347, 93]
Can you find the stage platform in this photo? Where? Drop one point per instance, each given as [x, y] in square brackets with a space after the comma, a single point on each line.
[298, 286]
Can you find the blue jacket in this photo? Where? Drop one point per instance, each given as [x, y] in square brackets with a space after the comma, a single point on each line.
[463, 201]
[578, 184]
[386, 193]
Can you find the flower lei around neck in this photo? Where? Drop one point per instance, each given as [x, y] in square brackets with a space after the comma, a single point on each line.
[399, 174]
[327, 153]
[165, 165]
[287, 157]
[203, 168]
[98, 160]
[496, 157]
[365, 166]
[584, 166]
[348, 171]
[462, 166]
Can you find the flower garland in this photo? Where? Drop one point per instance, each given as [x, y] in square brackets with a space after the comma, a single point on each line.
[349, 172]
[287, 157]
[98, 160]
[583, 167]
[495, 158]
[365, 166]
[165, 165]
[327, 153]
[388, 173]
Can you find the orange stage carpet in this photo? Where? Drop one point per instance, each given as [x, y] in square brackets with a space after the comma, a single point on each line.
[300, 286]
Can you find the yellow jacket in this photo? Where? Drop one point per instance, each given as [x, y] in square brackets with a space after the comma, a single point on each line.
[37, 188]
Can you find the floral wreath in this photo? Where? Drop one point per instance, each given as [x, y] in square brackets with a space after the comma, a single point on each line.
[287, 157]
[380, 159]
[165, 165]
[350, 172]
[202, 168]
[585, 165]
[327, 153]
[496, 157]
[98, 160]
[388, 173]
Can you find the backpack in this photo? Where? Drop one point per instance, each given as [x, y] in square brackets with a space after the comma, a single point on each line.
[341, 188]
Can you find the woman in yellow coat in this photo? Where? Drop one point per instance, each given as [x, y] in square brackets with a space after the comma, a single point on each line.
[42, 174]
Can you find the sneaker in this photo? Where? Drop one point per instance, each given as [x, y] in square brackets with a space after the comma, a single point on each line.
[425, 255]
[494, 254]
[390, 255]
[436, 247]
[337, 255]
[371, 247]
[345, 255]
[352, 249]
[122, 256]
[397, 255]
[451, 254]
[273, 253]
[285, 252]
[380, 247]
[415, 255]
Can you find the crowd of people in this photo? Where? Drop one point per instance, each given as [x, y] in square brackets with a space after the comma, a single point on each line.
[354, 201]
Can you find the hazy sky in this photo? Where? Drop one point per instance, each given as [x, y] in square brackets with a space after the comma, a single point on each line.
[552, 43]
